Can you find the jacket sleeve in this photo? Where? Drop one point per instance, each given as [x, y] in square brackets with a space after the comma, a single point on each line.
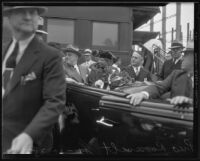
[161, 87]
[54, 98]
[161, 74]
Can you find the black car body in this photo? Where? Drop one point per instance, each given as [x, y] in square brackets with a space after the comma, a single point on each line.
[109, 125]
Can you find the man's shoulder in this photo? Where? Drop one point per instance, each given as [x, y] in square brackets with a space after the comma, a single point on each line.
[145, 70]
[48, 50]
[169, 61]
[178, 72]
[127, 67]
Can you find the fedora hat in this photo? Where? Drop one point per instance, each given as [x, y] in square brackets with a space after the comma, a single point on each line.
[106, 55]
[87, 52]
[189, 46]
[40, 30]
[72, 49]
[41, 10]
[176, 44]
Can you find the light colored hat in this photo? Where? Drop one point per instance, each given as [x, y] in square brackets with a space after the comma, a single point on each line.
[87, 52]
[41, 10]
[189, 46]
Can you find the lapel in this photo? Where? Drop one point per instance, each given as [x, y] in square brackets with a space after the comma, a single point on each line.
[5, 49]
[27, 60]
[131, 71]
[82, 72]
[71, 72]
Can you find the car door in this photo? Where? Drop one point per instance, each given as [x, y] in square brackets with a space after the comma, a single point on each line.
[152, 129]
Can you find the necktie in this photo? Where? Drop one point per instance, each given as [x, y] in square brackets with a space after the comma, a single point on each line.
[11, 61]
[76, 68]
[136, 71]
[10, 65]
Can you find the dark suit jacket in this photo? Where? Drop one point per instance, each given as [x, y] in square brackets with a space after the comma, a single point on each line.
[141, 76]
[168, 67]
[33, 107]
[177, 83]
[71, 72]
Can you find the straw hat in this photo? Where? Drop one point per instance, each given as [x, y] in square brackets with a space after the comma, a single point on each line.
[87, 52]
[41, 10]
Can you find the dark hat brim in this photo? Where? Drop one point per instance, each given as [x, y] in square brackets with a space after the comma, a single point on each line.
[72, 51]
[174, 47]
[41, 10]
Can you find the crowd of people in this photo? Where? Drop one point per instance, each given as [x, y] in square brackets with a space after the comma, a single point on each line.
[35, 75]
[171, 82]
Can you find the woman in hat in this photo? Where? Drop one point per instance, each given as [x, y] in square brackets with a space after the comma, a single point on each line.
[101, 71]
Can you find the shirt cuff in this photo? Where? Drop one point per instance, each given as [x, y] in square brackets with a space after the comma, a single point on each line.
[146, 94]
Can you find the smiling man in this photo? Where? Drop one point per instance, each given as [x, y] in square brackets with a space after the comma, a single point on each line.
[33, 85]
[136, 69]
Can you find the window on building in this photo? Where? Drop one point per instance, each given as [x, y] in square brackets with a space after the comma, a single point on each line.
[60, 30]
[105, 35]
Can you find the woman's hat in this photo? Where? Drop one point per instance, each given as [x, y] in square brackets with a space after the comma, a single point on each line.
[107, 55]
[41, 10]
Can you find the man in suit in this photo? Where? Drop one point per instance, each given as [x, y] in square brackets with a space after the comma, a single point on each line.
[179, 83]
[88, 59]
[173, 63]
[73, 72]
[33, 85]
[136, 70]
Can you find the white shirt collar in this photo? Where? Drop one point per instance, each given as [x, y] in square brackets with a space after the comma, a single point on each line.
[137, 68]
[22, 46]
[176, 61]
[24, 43]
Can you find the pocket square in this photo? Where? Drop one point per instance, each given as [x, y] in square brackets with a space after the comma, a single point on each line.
[28, 77]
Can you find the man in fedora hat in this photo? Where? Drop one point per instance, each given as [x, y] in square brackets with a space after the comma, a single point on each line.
[136, 70]
[74, 72]
[40, 31]
[33, 85]
[88, 59]
[179, 83]
[175, 61]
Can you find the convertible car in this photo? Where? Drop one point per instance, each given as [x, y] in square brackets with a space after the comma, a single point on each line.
[103, 122]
